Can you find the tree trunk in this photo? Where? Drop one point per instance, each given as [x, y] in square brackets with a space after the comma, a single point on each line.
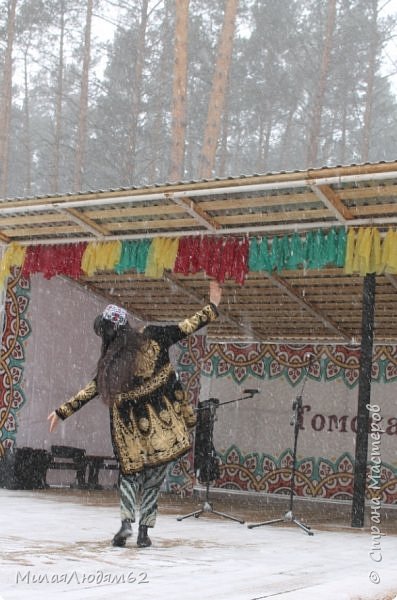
[136, 96]
[286, 140]
[218, 90]
[235, 160]
[28, 150]
[158, 169]
[6, 100]
[83, 105]
[58, 105]
[369, 96]
[342, 145]
[179, 91]
[315, 125]
[224, 138]
[263, 165]
[261, 132]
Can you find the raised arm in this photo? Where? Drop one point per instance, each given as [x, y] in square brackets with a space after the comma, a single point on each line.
[171, 334]
[215, 292]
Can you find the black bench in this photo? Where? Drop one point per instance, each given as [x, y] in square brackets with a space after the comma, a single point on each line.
[26, 468]
[67, 458]
[95, 464]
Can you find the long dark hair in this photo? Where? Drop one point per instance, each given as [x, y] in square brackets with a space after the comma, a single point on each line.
[116, 363]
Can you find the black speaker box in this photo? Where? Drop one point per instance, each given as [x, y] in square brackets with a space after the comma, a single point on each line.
[24, 468]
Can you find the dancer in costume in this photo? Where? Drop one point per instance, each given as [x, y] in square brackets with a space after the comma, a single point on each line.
[149, 412]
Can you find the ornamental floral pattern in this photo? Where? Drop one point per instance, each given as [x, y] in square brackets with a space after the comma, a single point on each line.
[315, 477]
[16, 329]
[271, 361]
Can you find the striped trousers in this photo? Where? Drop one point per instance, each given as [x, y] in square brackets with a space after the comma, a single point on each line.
[141, 489]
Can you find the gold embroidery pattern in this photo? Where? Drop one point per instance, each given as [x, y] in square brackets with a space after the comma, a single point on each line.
[74, 404]
[144, 425]
[189, 415]
[128, 441]
[147, 387]
[146, 359]
[162, 441]
[202, 317]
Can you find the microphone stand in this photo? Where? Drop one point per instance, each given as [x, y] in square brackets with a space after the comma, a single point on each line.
[296, 421]
[212, 404]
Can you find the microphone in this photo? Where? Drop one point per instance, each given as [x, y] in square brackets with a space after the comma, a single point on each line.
[252, 392]
[213, 400]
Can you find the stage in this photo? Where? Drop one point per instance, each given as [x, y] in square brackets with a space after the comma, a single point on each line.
[56, 543]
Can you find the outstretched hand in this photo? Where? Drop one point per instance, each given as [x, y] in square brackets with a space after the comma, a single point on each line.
[54, 420]
[215, 292]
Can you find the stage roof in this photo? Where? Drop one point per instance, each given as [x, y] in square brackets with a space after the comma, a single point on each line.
[322, 306]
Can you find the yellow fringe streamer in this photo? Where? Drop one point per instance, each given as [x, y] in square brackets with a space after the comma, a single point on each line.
[162, 255]
[14, 256]
[365, 252]
[389, 252]
[100, 256]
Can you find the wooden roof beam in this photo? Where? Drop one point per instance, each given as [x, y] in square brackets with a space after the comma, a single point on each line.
[103, 296]
[333, 202]
[392, 279]
[292, 293]
[4, 238]
[80, 219]
[168, 276]
[301, 179]
[195, 211]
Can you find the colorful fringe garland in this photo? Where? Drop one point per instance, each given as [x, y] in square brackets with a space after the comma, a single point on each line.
[133, 256]
[365, 252]
[314, 251]
[225, 258]
[63, 259]
[162, 255]
[14, 256]
[359, 251]
[100, 256]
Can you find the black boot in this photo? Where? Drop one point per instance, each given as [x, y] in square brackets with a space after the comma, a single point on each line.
[143, 540]
[124, 532]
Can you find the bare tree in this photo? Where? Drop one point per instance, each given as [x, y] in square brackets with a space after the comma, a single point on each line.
[370, 82]
[179, 91]
[26, 110]
[136, 94]
[158, 168]
[315, 124]
[6, 99]
[58, 102]
[218, 90]
[83, 105]
[223, 152]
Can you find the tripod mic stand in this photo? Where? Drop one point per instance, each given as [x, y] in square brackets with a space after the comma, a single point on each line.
[210, 468]
[289, 515]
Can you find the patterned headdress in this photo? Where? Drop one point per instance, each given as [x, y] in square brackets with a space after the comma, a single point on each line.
[115, 314]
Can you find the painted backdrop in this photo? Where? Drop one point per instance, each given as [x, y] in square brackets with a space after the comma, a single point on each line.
[49, 351]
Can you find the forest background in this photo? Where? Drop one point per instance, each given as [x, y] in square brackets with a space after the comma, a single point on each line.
[101, 94]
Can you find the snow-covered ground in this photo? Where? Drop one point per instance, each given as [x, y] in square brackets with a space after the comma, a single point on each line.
[53, 546]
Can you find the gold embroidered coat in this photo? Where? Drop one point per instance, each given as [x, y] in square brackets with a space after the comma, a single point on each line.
[149, 422]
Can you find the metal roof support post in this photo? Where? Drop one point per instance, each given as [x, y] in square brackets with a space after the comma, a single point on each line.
[364, 398]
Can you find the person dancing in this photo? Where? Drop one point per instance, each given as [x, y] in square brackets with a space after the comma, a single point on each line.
[150, 414]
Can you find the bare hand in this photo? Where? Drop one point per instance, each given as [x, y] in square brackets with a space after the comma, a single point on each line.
[215, 292]
[54, 420]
